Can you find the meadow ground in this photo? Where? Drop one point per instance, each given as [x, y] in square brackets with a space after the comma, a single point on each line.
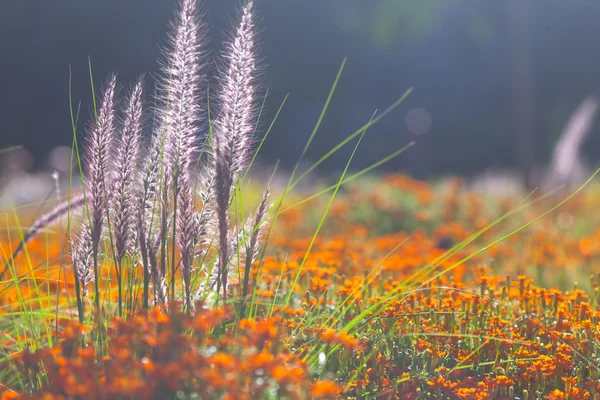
[410, 290]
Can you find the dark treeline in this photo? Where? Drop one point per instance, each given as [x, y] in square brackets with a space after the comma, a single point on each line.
[460, 57]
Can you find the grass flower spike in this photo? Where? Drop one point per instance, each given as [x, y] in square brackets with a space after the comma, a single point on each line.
[125, 179]
[234, 127]
[96, 186]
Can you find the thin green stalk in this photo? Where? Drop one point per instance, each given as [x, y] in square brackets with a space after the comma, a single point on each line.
[322, 221]
[78, 288]
[95, 249]
[353, 176]
[173, 267]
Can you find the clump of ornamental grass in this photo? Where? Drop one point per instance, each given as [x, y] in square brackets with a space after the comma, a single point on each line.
[158, 214]
[165, 206]
[161, 217]
[162, 220]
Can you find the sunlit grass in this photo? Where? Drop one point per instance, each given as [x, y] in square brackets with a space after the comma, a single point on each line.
[363, 309]
[369, 286]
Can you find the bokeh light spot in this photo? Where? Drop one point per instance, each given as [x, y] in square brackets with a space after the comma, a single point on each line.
[418, 121]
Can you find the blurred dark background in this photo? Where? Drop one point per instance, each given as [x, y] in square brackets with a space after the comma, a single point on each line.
[494, 81]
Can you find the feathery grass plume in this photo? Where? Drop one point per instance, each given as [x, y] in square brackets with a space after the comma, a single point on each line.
[187, 235]
[202, 240]
[255, 227]
[566, 165]
[125, 174]
[181, 104]
[124, 183]
[95, 181]
[147, 218]
[205, 190]
[99, 149]
[47, 219]
[181, 90]
[233, 129]
[245, 244]
[83, 257]
[159, 282]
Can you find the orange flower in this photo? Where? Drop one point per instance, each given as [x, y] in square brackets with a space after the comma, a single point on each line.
[285, 375]
[325, 389]
[334, 337]
[557, 395]
[10, 395]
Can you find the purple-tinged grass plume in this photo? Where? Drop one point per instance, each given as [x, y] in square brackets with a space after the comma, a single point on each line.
[245, 245]
[181, 102]
[566, 166]
[125, 174]
[147, 218]
[257, 228]
[73, 205]
[123, 193]
[181, 90]
[187, 235]
[233, 128]
[96, 185]
[149, 230]
[144, 202]
[83, 259]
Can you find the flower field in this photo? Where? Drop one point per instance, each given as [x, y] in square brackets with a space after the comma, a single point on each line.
[410, 290]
